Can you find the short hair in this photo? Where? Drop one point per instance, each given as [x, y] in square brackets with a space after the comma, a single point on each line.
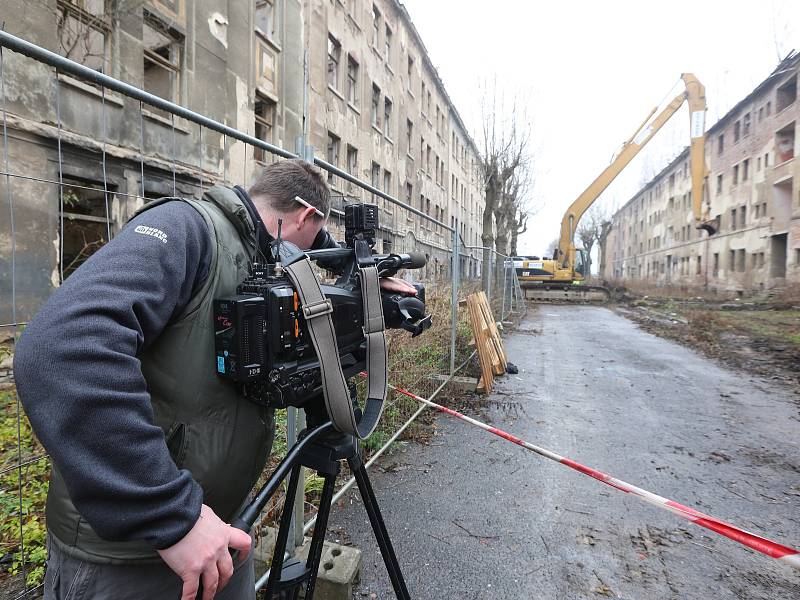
[279, 182]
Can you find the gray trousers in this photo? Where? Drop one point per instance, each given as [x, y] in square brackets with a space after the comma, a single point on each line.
[68, 578]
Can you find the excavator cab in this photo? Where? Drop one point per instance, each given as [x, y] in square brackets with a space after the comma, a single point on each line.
[581, 263]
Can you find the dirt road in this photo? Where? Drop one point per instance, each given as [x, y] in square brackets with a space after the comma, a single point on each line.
[472, 516]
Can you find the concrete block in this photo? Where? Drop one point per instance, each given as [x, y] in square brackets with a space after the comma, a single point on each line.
[339, 569]
[339, 566]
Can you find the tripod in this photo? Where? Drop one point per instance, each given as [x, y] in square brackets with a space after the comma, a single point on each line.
[322, 449]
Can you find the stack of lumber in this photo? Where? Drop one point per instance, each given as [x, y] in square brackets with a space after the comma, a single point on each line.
[491, 354]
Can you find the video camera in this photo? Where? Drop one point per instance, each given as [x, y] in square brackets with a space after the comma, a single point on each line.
[263, 339]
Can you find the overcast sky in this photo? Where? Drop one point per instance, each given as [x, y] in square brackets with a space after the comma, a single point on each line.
[590, 71]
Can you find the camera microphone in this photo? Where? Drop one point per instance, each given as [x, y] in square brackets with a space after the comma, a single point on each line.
[389, 264]
[414, 260]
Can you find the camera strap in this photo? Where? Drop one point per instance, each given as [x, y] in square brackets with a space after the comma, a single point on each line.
[317, 310]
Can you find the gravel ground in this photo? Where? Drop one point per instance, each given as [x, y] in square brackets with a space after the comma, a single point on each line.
[473, 516]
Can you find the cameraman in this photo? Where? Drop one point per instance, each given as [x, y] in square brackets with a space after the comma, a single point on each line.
[152, 453]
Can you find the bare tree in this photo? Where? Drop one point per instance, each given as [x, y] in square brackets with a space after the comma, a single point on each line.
[519, 226]
[504, 157]
[594, 227]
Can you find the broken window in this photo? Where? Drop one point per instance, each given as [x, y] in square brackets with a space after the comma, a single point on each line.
[388, 45]
[784, 144]
[83, 32]
[410, 79]
[740, 260]
[264, 114]
[409, 134]
[86, 222]
[720, 144]
[376, 27]
[352, 80]
[733, 219]
[719, 184]
[716, 264]
[332, 152]
[352, 160]
[422, 100]
[745, 169]
[375, 179]
[737, 131]
[387, 115]
[743, 216]
[786, 94]
[760, 260]
[163, 49]
[387, 182]
[376, 106]
[698, 268]
[334, 56]
[409, 194]
[735, 174]
[731, 260]
[746, 124]
[265, 18]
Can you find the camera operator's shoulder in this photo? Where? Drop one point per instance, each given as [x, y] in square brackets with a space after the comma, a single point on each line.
[169, 223]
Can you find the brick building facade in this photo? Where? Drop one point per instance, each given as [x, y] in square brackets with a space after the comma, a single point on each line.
[376, 107]
[752, 189]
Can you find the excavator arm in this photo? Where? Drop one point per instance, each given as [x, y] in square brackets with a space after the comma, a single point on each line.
[695, 96]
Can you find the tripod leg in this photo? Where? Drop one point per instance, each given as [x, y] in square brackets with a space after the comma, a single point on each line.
[283, 534]
[320, 527]
[379, 527]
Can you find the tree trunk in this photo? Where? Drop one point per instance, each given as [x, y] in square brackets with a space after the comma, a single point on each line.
[487, 236]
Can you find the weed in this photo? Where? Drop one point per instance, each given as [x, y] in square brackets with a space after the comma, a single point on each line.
[23, 492]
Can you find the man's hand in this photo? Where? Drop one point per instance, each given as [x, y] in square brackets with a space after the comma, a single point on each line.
[203, 553]
[393, 284]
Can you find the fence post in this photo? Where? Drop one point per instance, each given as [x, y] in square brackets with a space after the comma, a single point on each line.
[454, 275]
[505, 287]
[490, 276]
[296, 419]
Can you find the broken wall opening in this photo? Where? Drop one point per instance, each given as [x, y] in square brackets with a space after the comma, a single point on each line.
[778, 255]
[784, 144]
[786, 94]
[781, 205]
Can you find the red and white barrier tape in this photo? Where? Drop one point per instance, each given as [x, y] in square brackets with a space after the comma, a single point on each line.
[756, 542]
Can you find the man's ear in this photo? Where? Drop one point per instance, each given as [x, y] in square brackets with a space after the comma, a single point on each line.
[306, 216]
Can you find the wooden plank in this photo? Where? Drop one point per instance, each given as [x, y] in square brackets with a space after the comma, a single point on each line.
[494, 334]
[478, 325]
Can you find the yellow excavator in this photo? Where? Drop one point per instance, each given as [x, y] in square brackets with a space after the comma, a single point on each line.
[563, 277]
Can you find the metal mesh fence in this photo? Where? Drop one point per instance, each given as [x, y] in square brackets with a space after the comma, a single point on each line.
[70, 183]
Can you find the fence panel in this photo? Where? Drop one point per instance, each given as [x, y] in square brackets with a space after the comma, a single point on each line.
[71, 181]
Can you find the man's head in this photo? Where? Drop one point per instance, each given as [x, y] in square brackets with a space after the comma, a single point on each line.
[274, 194]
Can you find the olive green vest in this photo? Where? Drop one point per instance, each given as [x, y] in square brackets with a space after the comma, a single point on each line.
[222, 439]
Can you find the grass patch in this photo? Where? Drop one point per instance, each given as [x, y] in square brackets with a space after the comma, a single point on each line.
[28, 482]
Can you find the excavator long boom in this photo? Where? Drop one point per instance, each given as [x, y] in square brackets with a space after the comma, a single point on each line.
[695, 95]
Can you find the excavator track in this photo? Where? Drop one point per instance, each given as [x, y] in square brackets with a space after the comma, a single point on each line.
[568, 294]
